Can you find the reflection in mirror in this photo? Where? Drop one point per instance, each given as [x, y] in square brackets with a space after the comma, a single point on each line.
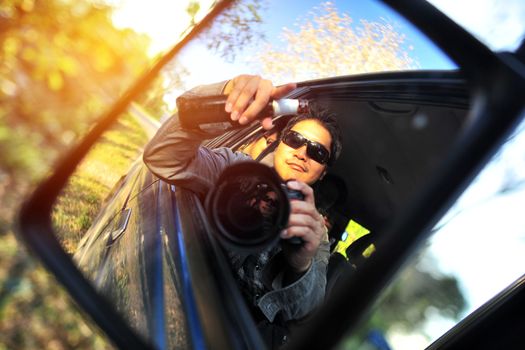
[107, 218]
[94, 212]
[117, 219]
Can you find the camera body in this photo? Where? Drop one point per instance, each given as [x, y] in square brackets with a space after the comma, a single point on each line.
[298, 195]
[292, 194]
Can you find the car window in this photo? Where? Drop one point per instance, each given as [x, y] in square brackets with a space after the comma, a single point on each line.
[409, 127]
[476, 251]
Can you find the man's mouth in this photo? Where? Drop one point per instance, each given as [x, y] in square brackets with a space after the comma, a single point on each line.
[296, 167]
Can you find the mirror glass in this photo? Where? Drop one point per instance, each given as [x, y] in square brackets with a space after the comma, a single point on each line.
[396, 129]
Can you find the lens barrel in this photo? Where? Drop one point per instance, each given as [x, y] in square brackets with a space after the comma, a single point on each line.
[249, 206]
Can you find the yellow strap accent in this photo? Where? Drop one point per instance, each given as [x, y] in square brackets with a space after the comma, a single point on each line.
[352, 232]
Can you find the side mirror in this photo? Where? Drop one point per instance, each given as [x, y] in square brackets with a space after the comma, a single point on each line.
[498, 85]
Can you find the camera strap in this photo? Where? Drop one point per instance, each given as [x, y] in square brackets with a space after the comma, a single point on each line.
[267, 151]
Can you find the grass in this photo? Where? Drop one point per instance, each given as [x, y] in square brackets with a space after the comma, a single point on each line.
[35, 311]
[109, 159]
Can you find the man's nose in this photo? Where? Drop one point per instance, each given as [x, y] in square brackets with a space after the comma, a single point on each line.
[301, 152]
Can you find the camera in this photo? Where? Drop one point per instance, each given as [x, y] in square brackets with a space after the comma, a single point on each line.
[298, 195]
[292, 194]
[250, 206]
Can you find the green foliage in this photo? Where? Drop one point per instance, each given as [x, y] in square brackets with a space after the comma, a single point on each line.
[414, 292]
[34, 310]
[418, 293]
[63, 63]
[35, 313]
[235, 28]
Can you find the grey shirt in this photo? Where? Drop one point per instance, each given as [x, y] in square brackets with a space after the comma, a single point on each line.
[176, 156]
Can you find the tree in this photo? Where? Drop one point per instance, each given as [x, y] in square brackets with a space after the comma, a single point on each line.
[329, 44]
[63, 62]
[418, 289]
[235, 28]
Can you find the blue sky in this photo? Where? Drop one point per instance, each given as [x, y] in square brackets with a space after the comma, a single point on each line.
[206, 67]
[426, 53]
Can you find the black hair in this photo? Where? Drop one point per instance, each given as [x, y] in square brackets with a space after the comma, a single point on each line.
[327, 119]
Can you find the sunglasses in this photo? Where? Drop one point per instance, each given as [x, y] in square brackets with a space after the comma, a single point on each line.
[314, 150]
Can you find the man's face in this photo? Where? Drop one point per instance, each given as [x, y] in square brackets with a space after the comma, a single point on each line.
[295, 164]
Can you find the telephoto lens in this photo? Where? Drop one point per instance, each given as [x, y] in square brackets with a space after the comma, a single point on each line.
[249, 207]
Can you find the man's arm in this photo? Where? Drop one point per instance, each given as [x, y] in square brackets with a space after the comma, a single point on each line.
[174, 153]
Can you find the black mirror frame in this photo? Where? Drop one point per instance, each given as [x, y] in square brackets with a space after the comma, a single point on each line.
[499, 95]
[34, 221]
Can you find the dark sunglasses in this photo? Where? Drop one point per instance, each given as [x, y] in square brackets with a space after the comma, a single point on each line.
[314, 150]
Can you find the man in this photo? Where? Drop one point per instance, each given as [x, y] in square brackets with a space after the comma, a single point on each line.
[307, 145]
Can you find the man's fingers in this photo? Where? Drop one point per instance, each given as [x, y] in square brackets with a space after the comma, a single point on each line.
[303, 220]
[235, 88]
[262, 97]
[267, 123]
[282, 90]
[302, 207]
[245, 97]
[248, 95]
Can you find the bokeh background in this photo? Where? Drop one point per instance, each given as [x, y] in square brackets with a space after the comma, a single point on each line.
[62, 64]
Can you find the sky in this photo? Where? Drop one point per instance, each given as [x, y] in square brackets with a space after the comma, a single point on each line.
[487, 221]
[500, 24]
[162, 20]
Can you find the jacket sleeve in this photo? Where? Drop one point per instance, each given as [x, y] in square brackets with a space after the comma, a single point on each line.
[174, 154]
[299, 299]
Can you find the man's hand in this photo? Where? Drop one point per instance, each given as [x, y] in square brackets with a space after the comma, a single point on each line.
[305, 222]
[249, 94]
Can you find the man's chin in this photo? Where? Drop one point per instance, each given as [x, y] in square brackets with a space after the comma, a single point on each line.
[294, 175]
